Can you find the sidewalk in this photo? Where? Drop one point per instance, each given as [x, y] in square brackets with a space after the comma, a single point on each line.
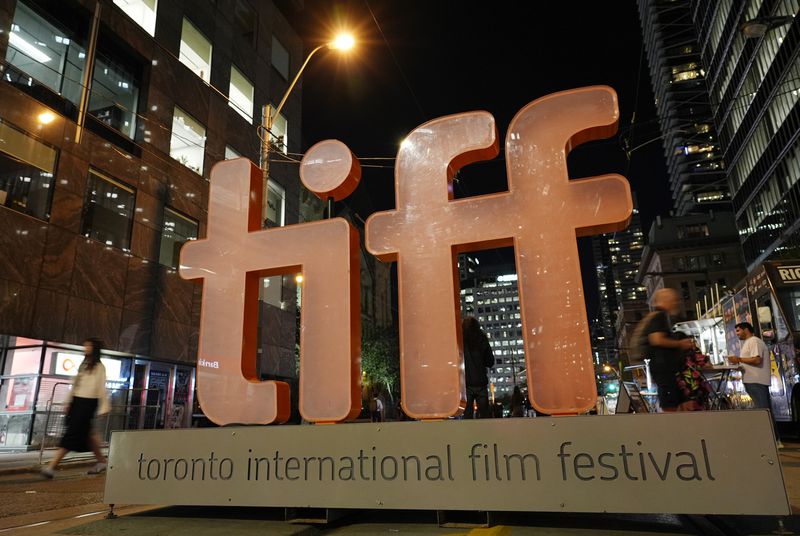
[28, 462]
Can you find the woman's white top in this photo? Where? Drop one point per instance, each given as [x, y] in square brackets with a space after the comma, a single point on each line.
[91, 384]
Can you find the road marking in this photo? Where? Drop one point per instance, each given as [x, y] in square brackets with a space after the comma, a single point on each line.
[89, 514]
[26, 526]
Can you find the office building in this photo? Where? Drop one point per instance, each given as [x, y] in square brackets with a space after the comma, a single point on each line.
[109, 132]
[691, 145]
[491, 295]
[751, 53]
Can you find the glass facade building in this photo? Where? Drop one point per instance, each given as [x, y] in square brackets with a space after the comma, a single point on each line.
[692, 148]
[754, 85]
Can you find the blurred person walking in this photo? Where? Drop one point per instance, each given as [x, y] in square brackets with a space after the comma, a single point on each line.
[664, 349]
[87, 397]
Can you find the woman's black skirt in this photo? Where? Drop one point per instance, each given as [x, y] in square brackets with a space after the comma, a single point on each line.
[79, 424]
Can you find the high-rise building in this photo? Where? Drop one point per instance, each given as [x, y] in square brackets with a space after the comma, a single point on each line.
[751, 53]
[691, 147]
[491, 295]
[91, 227]
[616, 257]
[734, 65]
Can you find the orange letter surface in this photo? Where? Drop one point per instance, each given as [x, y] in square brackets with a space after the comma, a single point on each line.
[230, 261]
[540, 215]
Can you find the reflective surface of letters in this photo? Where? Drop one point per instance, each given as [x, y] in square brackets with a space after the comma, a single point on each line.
[230, 261]
[541, 215]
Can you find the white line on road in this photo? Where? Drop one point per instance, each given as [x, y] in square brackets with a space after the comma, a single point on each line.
[26, 526]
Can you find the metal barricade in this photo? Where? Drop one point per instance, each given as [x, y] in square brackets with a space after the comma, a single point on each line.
[131, 409]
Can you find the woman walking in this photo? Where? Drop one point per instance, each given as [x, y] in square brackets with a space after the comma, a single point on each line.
[87, 397]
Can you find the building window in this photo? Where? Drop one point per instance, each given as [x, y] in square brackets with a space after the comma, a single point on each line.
[109, 211]
[230, 153]
[188, 142]
[46, 53]
[178, 229]
[143, 12]
[276, 204]
[246, 20]
[693, 231]
[241, 94]
[280, 58]
[279, 137]
[271, 290]
[26, 173]
[195, 51]
[115, 95]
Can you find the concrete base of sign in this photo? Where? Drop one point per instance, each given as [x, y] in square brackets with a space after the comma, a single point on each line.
[314, 516]
[464, 519]
[722, 462]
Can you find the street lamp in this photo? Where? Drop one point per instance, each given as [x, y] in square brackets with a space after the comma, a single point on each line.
[758, 27]
[342, 42]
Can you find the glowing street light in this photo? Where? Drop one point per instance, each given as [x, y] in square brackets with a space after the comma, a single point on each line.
[342, 42]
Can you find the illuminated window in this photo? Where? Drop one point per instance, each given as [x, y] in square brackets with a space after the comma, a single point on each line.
[143, 12]
[279, 137]
[115, 94]
[195, 51]
[108, 214]
[177, 230]
[26, 173]
[46, 52]
[230, 152]
[241, 94]
[276, 204]
[188, 142]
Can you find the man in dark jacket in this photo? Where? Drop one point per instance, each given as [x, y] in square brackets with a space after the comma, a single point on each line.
[665, 350]
[478, 357]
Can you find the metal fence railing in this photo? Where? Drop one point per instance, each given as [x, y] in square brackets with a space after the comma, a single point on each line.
[131, 409]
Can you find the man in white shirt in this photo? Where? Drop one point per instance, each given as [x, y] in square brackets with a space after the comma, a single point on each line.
[754, 359]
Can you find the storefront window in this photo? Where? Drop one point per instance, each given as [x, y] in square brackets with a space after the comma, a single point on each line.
[26, 173]
[109, 211]
[23, 361]
[178, 229]
[188, 142]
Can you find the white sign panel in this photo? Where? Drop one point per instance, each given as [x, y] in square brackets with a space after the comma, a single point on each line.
[691, 463]
[67, 364]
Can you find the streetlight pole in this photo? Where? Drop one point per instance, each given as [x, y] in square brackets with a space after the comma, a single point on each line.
[342, 42]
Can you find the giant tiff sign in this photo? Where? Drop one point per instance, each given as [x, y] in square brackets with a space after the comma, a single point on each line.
[540, 215]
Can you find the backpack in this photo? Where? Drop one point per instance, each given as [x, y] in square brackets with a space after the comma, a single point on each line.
[639, 343]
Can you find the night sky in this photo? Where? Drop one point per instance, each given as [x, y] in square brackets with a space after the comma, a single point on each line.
[418, 60]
